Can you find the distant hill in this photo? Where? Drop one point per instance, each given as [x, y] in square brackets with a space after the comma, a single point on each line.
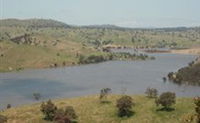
[35, 31]
[104, 26]
[37, 23]
[43, 23]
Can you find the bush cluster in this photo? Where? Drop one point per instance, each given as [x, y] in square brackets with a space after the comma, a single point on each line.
[197, 108]
[49, 110]
[52, 113]
[61, 117]
[91, 59]
[65, 116]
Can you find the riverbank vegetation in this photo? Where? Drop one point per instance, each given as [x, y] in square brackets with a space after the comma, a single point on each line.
[189, 75]
[101, 57]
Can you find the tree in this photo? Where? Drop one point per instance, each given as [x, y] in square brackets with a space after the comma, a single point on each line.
[197, 108]
[37, 96]
[104, 93]
[133, 40]
[151, 92]
[49, 110]
[166, 99]
[124, 105]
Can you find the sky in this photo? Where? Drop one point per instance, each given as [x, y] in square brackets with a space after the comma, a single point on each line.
[126, 13]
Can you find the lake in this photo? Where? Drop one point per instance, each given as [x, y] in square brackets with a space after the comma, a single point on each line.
[129, 77]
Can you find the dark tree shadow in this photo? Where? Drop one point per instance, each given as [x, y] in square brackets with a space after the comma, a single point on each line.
[168, 109]
[105, 102]
[129, 114]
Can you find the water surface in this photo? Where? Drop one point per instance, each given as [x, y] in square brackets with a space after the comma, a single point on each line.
[131, 77]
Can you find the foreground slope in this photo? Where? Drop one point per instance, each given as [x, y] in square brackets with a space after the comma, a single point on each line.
[90, 110]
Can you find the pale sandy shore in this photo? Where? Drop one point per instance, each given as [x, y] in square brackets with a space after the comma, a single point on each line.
[195, 51]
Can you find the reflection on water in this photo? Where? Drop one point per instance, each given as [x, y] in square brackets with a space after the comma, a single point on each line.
[133, 76]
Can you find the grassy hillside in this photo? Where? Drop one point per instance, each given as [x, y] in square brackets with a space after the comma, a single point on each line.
[90, 110]
[16, 57]
[40, 30]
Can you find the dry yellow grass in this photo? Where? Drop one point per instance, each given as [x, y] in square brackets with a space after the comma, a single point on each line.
[15, 57]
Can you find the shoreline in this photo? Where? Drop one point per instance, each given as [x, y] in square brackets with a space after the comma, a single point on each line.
[87, 59]
[190, 51]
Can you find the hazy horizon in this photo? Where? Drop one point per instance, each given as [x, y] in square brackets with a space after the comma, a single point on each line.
[129, 13]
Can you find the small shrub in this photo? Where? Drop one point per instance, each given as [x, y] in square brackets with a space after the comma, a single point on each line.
[37, 96]
[171, 76]
[104, 93]
[65, 116]
[164, 79]
[197, 108]
[57, 54]
[49, 110]
[81, 59]
[187, 118]
[61, 117]
[151, 92]
[166, 99]
[8, 106]
[64, 63]
[124, 105]
[3, 119]
[70, 112]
